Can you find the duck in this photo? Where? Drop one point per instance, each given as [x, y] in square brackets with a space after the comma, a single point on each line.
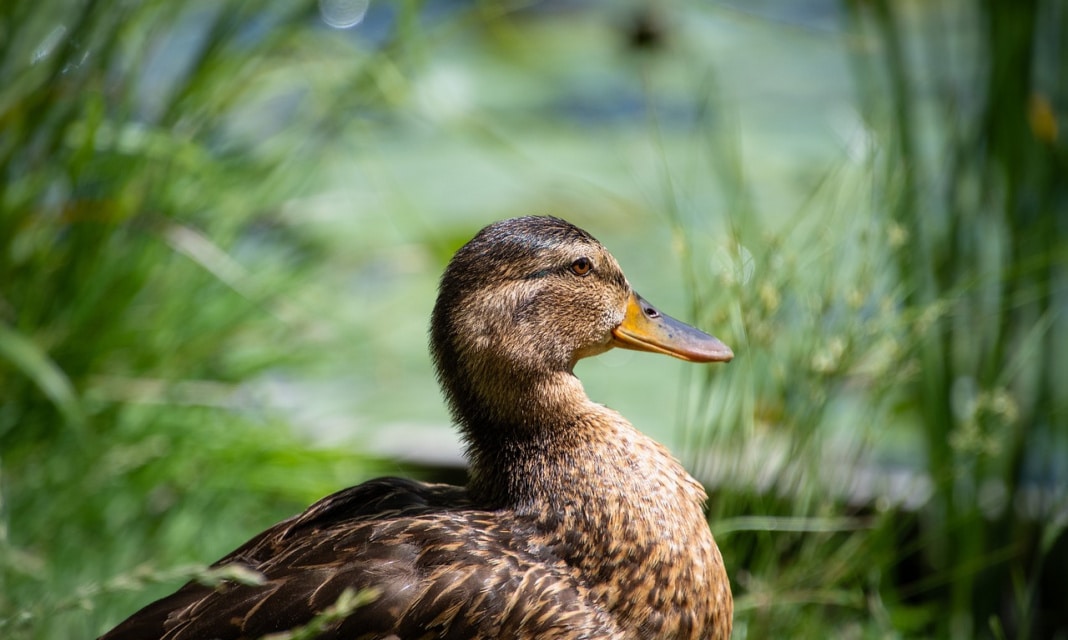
[573, 524]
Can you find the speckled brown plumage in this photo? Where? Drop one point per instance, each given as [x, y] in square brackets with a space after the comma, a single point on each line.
[574, 524]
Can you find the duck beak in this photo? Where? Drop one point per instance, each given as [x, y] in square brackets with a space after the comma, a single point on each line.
[646, 329]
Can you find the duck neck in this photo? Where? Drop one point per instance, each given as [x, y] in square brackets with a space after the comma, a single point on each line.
[536, 439]
[516, 427]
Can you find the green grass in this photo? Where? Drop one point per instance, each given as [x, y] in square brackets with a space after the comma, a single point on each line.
[148, 281]
[221, 225]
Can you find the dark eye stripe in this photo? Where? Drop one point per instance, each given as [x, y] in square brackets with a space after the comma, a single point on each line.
[581, 267]
[538, 274]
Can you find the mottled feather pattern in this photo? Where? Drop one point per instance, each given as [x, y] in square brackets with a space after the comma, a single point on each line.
[574, 525]
[439, 566]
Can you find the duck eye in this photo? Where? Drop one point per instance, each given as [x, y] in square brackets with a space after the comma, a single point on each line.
[581, 267]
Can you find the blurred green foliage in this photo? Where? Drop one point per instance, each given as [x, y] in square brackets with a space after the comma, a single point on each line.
[977, 183]
[147, 276]
[868, 200]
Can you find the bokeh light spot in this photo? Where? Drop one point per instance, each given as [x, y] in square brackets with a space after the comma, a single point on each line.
[343, 14]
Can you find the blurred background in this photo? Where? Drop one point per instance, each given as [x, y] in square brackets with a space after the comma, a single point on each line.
[222, 223]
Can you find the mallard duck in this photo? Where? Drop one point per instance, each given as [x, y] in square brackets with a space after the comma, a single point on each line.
[573, 524]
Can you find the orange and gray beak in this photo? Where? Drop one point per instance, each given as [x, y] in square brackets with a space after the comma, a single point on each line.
[646, 329]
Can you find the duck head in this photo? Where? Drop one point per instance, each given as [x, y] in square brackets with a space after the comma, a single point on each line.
[523, 301]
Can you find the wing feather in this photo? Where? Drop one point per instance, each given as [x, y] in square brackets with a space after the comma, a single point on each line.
[441, 569]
